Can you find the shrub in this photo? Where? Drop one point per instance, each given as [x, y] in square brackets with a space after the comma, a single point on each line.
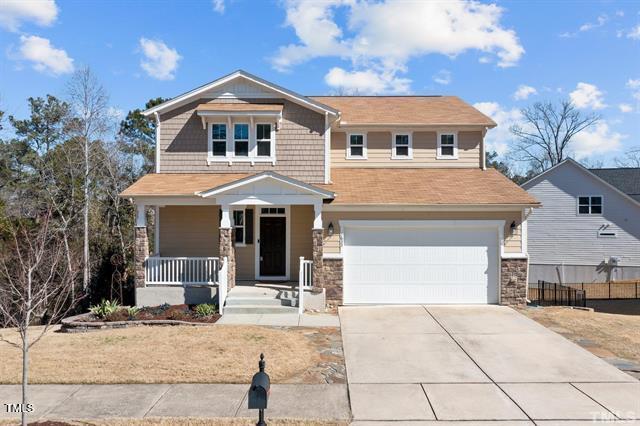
[133, 311]
[206, 310]
[104, 308]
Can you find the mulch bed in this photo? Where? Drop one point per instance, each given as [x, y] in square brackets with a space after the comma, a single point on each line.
[154, 315]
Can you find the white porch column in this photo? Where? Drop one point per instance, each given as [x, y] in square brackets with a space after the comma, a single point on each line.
[317, 210]
[226, 216]
[141, 215]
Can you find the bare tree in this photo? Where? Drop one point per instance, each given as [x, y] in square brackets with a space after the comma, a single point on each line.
[89, 105]
[35, 282]
[544, 139]
[631, 158]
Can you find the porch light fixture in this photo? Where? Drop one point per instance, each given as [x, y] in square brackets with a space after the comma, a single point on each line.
[513, 227]
[330, 229]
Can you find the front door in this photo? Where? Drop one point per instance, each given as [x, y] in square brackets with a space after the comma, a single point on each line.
[273, 242]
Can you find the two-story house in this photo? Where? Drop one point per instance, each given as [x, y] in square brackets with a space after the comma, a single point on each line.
[387, 198]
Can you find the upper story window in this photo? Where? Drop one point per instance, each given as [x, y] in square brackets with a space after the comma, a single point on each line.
[447, 146]
[219, 140]
[402, 149]
[263, 139]
[357, 146]
[589, 204]
[241, 139]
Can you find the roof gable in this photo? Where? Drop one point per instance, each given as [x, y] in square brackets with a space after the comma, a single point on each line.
[240, 84]
[586, 172]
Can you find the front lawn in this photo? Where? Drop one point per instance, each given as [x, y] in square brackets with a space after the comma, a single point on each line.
[616, 334]
[177, 354]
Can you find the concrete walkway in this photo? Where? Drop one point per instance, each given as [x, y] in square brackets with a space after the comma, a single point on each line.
[475, 363]
[67, 402]
[285, 320]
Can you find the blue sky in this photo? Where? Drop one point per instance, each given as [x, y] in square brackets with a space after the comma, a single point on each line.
[499, 56]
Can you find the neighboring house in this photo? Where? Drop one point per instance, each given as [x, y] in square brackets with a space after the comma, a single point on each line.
[588, 229]
[387, 199]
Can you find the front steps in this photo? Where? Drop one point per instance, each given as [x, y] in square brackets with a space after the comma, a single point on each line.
[261, 300]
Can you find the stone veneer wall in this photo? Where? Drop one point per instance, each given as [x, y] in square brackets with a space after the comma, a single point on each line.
[227, 249]
[332, 275]
[513, 282]
[140, 254]
[318, 270]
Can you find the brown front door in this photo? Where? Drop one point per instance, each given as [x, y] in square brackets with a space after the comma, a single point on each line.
[273, 246]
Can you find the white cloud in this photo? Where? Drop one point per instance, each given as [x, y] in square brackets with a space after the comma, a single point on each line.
[43, 56]
[365, 82]
[597, 140]
[443, 77]
[600, 21]
[218, 6]
[634, 86]
[13, 13]
[499, 137]
[370, 36]
[634, 33]
[587, 96]
[625, 108]
[160, 61]
[523, 92]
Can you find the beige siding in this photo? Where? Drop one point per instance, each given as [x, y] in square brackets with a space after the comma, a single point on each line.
[189, 231]
[299, 143]
[512, 242]
[301, 244]
[246, 262]
[379, 146]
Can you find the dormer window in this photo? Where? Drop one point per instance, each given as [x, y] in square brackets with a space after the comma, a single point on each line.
[357, 146]
[401, 149]
[447, 146]
[241, 139]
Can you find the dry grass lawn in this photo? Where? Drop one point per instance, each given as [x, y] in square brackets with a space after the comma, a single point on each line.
[618, 334]
[219, 354]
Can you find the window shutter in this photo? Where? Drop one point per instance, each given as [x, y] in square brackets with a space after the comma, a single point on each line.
[248, 226]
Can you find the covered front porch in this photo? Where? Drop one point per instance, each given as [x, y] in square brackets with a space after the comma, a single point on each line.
[263, 228]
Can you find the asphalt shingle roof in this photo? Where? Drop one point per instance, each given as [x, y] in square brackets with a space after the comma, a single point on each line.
[626, 179]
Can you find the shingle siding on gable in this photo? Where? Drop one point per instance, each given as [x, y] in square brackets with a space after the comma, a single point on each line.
[557, 234]
[299, 143]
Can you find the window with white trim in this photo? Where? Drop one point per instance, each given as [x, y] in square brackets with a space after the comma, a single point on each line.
[241, 139]
[243, 226]
[447, 146]
[589, 204]
[402, 149]
[357, 146]
[218, 140]
[263, 139]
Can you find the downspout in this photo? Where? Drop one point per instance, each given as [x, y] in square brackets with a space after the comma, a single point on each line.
[157, 116]
[482, 150]
[327, 149]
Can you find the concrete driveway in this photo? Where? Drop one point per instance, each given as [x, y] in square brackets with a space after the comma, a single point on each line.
[474, 363]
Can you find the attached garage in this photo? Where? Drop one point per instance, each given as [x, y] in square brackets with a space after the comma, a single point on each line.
[414, 261]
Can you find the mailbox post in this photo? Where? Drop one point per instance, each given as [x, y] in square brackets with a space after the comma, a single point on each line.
[259, 392]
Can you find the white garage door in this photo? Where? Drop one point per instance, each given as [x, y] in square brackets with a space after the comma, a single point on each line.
[420, 262]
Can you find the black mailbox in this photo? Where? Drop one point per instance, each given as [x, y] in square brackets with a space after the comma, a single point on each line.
[260, 388]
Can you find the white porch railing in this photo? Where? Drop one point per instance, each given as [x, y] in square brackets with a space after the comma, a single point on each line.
[305, 280]
[181, 270]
